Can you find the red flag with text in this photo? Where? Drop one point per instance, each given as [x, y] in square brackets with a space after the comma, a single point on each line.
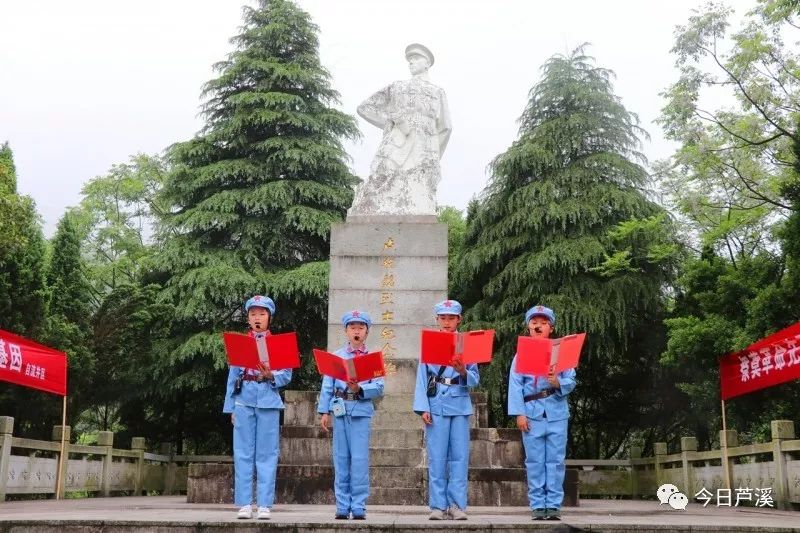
[765, 363]
[30, 364]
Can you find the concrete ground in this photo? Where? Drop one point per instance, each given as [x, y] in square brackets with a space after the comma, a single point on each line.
[173, 514]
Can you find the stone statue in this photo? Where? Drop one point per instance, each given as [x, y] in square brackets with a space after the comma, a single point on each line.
[416, 126]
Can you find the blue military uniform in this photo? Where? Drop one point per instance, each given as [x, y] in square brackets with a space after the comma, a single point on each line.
[547, 411]
[256, 430]
[447, 438]
[351, 432]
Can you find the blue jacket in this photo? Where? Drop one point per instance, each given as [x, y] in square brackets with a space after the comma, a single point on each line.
[450, 400]
[556, 405]
[370, 389]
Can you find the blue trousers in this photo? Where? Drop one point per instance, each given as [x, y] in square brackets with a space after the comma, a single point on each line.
[351, 463]
[545, 450]
[447, 441]
[256, 434]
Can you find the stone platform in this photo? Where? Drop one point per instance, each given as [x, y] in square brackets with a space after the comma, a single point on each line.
[171, 514]
[398, 469]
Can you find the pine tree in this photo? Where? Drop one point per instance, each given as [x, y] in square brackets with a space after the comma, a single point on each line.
[565, 223]
[22, 252]
[253, 197]
[23, 295]
[68, 322]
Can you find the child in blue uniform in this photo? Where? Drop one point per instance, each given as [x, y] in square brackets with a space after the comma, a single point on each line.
[441, 398]
[253, 401]
[542, 411]
[351, 404]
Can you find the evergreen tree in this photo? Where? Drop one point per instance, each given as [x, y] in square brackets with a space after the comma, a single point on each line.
[252, 199]
[456, 227]
[23, 296]
[565, 223]
[129, 335]
[68, 322]
[22, 253]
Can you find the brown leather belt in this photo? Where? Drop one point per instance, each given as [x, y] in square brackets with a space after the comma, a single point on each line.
[350, 396]
[539, 395]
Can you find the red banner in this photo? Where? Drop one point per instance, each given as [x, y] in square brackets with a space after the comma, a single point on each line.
[768, 362]
[30, 364]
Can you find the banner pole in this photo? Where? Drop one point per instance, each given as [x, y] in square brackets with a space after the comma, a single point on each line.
[59, 477]
[724, 443]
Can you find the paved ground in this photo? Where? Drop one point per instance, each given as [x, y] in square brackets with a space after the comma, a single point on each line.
[172, 513]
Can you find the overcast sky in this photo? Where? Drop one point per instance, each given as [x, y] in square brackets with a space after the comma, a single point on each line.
[87, 83]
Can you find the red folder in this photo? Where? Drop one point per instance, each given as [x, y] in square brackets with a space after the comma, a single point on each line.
[277, 351]
[537, 355]
[441, 347]
[361, 367]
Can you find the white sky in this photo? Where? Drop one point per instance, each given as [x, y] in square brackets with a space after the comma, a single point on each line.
[85, 84]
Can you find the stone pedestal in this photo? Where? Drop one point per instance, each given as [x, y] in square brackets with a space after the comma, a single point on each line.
[395, 268]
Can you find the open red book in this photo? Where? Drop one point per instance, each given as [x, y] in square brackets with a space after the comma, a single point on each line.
[276, 351]
[537, 355]
[441, 347]
[361, 367]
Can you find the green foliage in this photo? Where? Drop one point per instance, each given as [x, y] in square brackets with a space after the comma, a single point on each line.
[564, 223]
[114, 220]
[129, 335]
[69, 315]
[721, 308]
[727, 180]
[22, 251]
[8, 173]
[456, 230]
[251, 200]
[734, 184]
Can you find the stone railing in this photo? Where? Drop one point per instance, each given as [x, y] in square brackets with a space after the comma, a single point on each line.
[29, 466]
[772, 465]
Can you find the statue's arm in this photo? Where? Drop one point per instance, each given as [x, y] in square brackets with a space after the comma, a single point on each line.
[444, 126]
[375, 109]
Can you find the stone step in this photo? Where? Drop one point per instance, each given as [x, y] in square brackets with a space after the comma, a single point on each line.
[397, 476]
[384, 451]
[396, 403]
[403, 457]
[396, 438]
[398, 420]
[397, 496]
[313, 484]
[379, 476]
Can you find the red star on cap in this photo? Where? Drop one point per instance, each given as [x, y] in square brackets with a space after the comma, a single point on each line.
[448, 303]
[256, 298]
[356, 313]
[539, 308]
